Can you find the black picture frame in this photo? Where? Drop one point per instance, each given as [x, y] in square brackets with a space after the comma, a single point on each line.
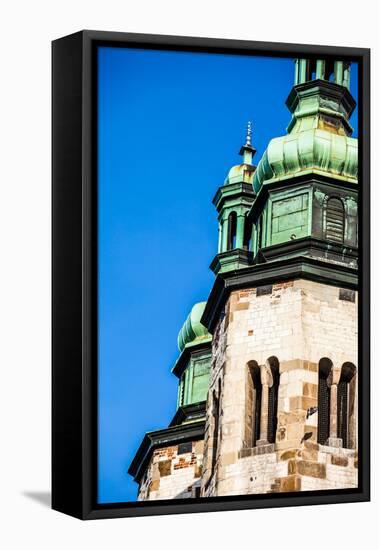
[74, 273]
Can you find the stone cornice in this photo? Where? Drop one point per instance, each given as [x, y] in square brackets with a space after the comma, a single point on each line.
[189, 413]
[297, 267]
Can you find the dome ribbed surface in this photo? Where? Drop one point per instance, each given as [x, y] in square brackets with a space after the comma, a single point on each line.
[312, 150]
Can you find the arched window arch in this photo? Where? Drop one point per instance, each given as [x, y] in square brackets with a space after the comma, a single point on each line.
[232, 231]
[324, 369]
[247, 232]
[345, 405]
[334, 220]
[273, 399]
[253, 404]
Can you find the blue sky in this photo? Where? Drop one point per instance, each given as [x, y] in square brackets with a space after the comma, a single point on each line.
[170, 127]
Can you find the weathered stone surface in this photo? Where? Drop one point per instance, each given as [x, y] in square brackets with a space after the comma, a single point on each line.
[164, 467]
[154, 485]
[312, 469]
[289, 484]
[288, 454]
[339, 460]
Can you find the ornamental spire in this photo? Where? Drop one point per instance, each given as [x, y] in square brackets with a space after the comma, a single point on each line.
[247, 150]
[248, 135]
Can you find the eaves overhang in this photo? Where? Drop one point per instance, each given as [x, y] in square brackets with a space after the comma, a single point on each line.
[185, 355]
[173, 435]
[233, 191]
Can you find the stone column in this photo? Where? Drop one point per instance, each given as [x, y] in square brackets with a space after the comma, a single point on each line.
[302, 70]
[266, 381]
[346, 76]
[332, 381]
[338, 72]
[320, 68]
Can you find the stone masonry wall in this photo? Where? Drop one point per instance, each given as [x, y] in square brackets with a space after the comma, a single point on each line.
[172, 475]
[299, 322]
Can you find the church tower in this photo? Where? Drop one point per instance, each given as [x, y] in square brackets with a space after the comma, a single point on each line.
[282, 402]
[267, 369]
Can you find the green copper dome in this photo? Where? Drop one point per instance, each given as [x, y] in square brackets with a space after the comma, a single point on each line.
[315, 150]
[193, 332]
[241, 173]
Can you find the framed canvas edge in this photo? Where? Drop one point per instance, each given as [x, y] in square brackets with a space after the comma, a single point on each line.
[79, 479]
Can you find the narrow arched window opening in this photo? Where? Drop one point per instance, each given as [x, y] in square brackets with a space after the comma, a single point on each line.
[253, 404]
[273, 400]
[232, 231]
[335, 220]
[345, 401]
[247, 232]
[216, 423]
[260, 232]
[324, 369]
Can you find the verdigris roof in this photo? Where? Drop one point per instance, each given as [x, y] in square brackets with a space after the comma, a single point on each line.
[240, 173]
[314, 150]
[192, 331]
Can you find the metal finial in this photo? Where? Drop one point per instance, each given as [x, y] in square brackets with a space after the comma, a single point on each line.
[248, 134]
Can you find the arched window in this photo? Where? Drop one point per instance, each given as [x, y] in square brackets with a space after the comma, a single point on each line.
[335, 220]
[247, 232]
[345, 404]
[216, 423]
[273, 400]
[260, 231]
[232, 231]
[324, 369]
[253, 404]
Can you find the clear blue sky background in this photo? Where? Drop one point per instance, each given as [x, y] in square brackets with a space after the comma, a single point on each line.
[170, 127]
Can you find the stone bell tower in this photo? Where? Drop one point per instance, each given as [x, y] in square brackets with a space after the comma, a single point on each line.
[281, 409]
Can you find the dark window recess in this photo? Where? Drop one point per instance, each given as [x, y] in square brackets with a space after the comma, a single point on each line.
[329, 71]
[216, 419]
[335, 220]
[347, 295]
[185, 448]
[247, 233]
[263, 290]
[342, 397]
[311, 69]
[323, 410]
[232, 230]
[260, 231]
[273, 409]
[257, 396]
[273, 400]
